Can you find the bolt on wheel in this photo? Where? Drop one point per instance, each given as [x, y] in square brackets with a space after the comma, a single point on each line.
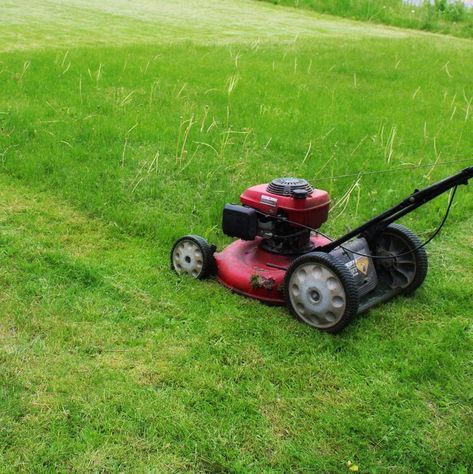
[192, 255]
[321, 292]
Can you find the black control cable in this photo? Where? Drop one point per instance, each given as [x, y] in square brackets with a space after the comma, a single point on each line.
[378, 257]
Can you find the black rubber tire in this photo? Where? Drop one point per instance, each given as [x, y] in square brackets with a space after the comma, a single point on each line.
[208, 261]
[352, 299]
[410, 241]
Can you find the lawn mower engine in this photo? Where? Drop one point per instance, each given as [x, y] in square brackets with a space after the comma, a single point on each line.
[275, 224]
[280, 257]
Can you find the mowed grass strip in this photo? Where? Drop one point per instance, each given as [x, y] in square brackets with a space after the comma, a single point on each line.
[36, 24]
[111, 363]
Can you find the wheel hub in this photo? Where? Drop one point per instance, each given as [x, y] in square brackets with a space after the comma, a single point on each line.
[318, 295]
[188, 258]
[388, 260]
[313, 295]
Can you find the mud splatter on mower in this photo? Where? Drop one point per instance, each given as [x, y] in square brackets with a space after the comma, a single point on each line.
[280, 257]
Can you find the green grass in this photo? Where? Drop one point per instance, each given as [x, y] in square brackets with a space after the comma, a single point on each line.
[107, 154]
[441, 16]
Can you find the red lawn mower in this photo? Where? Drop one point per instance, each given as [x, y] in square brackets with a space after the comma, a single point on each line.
[280, 257]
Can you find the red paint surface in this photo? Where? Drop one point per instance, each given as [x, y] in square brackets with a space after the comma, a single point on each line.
[312, 211]
[243, 262]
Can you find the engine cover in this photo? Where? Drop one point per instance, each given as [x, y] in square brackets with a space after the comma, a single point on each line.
[290, 197]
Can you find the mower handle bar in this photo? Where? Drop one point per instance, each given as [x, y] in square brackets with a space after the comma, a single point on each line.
[418, 198]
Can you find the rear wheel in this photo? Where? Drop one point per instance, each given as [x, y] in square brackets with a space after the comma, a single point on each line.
[408, 266]
[320, 291]
[193, 255]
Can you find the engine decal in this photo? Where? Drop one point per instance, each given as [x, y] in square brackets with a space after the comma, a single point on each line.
[351, 265]
[358, 265]
[362, 264]
[270, 201]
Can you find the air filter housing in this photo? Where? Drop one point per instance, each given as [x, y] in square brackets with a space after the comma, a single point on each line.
[286, 186]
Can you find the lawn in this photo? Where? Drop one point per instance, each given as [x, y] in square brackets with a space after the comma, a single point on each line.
[125, 126]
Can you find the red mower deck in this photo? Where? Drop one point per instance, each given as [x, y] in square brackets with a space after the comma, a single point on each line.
[249, 270]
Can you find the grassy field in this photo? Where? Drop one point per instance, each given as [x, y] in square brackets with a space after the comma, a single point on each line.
[123, 128]
[444, 16]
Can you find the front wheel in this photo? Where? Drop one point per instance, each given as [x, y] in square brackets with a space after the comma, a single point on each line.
[320, 291]
[193, 255]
